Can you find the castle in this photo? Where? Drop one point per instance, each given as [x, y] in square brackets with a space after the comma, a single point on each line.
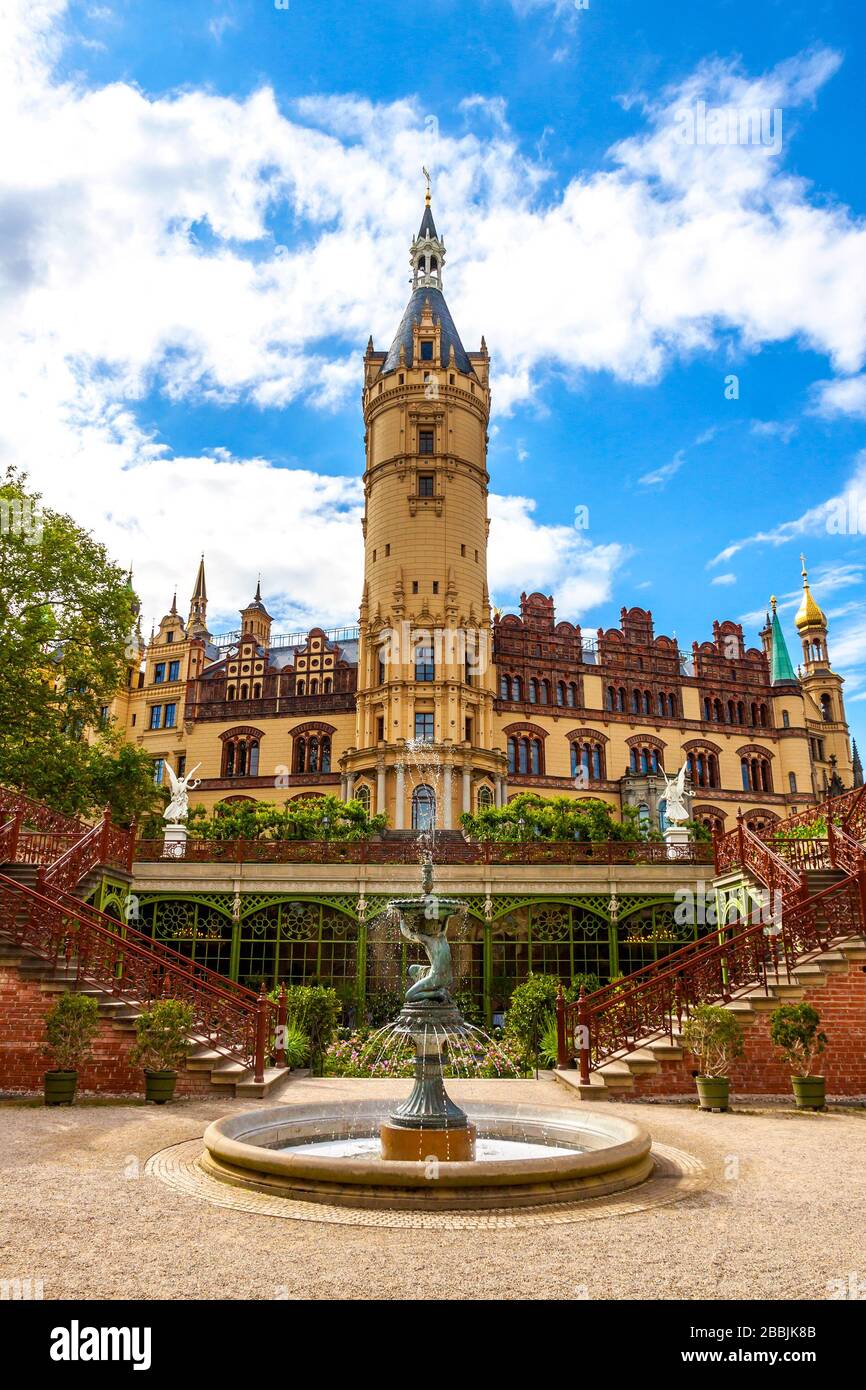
[511, 702]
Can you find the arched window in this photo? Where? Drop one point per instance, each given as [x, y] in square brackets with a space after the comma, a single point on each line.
[560, 694]
[512, 755]
[708, 709]
[300, 687]
[647, 702]
[572, 695]
[380, 662]
[672, 706]
[240, 756]
[314, 686]
[257, 691]
[620, 700]
[731, 712]
[245, 692]
[328, 685]
[826, 708]
[611, 697]
[515, 688]
[792, 781]
[363, 795]
[544, 692]
[661, 705]
[635, 702]
[231, 692]
[504, 687]
[533, 692]
[300, 755]
[423, 808]
[485, 798]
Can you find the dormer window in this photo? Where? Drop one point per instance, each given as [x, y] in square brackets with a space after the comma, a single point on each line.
[427, 350]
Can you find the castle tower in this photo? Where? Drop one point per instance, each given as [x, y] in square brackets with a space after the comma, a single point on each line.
[424, 664]
[825, 708]
[197, 620]
[256, 620]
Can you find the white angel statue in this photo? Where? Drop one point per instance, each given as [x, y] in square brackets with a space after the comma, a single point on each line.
[177, 809]
[675, 808]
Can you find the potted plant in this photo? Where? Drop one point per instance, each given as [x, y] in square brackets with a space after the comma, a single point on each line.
[70, 1028]
[794, 1031]
[161, 1045]
[713, 1035]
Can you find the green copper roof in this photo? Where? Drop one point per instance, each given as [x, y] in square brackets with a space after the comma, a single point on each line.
[780, 663]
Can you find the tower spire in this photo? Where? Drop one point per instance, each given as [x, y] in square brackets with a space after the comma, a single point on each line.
[781, 669]
[197, 621]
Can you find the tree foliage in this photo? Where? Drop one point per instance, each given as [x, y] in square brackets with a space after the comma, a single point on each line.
[794, 1031]
[310, 818]
[529, 816]
[66, 615]
[71, 1026]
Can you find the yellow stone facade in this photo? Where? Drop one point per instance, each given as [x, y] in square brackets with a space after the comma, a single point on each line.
[510, 703]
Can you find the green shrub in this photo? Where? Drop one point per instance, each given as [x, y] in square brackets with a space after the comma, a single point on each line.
[70, 1028]
[296, 1046]
[531, 1005]
[162, 1036]
[713, 1035]
[469, 1007]
[313, 1010]
[794, 1031]
[548, 1050]
[383, 1006]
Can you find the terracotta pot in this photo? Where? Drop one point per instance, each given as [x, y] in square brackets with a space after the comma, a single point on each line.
[713, 1092]
[60, 1087]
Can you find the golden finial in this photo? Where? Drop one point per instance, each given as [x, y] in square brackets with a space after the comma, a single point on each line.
[773, 602]
[427, 177]
[808, 614]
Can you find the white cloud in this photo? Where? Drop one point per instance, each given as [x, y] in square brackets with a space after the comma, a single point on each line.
[843, 514]
[774, 429]
[725, 579]
[137, 255]
[527, 555]
[844, 396]
[659, 476]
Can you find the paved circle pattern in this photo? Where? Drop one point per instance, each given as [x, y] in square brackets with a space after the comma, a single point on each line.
[676, 1175]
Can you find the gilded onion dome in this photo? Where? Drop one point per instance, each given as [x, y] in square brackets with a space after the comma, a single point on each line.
[808, 614]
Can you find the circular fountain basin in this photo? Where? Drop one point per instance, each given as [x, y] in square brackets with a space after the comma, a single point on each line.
[538, 1157]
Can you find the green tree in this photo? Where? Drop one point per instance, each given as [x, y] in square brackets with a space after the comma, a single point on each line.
[66, 615]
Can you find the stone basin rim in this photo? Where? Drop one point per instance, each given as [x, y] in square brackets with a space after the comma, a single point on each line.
[239, 1141]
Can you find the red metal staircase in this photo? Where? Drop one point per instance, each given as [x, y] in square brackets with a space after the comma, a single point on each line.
[822, 885]
[98, 951]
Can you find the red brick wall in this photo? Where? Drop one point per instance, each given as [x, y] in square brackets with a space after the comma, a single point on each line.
[23, 1006]
[841, 1002]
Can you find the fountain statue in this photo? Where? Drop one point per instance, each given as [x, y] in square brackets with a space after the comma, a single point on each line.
[428, 1123]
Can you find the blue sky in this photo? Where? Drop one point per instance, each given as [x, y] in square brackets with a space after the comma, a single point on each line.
[207, 210]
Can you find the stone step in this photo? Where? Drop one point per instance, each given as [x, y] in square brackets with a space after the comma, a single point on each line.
[642, 1062]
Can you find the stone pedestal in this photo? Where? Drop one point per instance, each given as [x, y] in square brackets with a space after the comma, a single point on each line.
[417, 1145]
[174, 842]
[676, 835]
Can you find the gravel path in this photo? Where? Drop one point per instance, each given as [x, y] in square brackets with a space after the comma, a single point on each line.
[784, 1215]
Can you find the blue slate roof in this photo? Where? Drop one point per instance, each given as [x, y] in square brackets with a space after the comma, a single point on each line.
[449, 332]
